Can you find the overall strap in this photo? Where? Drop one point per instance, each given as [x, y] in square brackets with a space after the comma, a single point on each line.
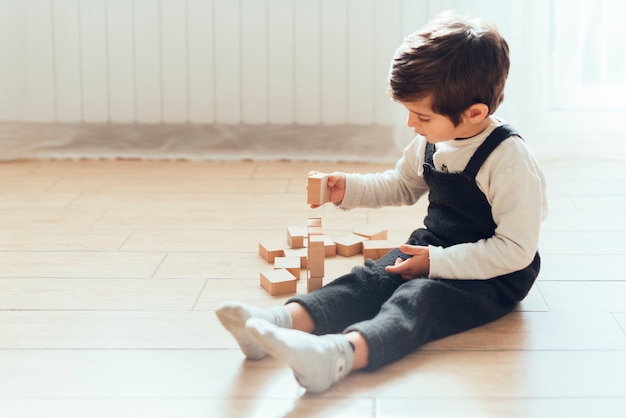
[493, 140]
[428, 154]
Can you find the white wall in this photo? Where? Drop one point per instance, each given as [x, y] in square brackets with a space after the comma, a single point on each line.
[200, 61]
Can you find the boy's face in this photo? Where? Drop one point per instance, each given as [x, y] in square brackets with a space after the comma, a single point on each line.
[433, 126]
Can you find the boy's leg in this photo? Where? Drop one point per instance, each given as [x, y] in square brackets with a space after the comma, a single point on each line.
[424, 310]
[300, 318]
[233, 316]
[317, 361]
[351, 298]
[361, 350]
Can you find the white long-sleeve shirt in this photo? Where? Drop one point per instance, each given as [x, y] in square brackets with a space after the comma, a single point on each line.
[511, 180]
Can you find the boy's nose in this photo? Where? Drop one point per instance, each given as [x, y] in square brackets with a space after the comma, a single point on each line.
[414, 123]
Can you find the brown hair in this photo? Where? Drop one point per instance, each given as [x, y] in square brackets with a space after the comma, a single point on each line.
[459, 61]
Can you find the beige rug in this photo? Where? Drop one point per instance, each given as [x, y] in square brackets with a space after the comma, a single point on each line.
[352, 143]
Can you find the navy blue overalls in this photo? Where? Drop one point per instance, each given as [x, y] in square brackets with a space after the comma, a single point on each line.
[396, 316]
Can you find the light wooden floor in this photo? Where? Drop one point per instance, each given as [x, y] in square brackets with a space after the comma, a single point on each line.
[110, 272]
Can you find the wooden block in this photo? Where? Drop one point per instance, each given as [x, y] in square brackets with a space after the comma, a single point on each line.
[371, 232]
[278, 282]
[311, 222]
[269, 250]
[349, 245]
[313, 283]
[375, 249]
[301, 253]
[295, 236]
[291, 264]
[330, 248]
[316, 256]
[315, 230]
[318, 192]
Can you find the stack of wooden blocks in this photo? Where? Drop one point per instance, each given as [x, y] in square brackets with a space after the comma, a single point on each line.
[308, 253]
[308, 247]
[370, 241]
[316, 254]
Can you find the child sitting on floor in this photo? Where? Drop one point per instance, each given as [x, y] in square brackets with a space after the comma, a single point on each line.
[476, 257]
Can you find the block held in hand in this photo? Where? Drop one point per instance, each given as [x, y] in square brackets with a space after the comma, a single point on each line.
[318, 192]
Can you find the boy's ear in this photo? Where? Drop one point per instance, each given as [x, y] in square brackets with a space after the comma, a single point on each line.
[477, 112]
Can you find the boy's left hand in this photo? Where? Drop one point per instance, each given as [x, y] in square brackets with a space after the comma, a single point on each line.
[416, 266]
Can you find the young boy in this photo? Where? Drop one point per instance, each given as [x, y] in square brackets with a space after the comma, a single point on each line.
[475, 259]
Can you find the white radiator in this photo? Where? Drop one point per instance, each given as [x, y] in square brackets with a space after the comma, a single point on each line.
[310, 62]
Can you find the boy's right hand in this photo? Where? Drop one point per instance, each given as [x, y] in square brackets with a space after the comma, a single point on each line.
[336, 185]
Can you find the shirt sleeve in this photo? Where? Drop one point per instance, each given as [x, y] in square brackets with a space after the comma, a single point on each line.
[515, 188]
[402, 185]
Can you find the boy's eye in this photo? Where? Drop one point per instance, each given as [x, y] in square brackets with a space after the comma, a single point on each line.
[422, 120]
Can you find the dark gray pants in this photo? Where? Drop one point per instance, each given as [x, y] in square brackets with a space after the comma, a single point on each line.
[396, 316]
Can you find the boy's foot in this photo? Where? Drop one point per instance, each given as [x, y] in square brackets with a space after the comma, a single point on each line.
[317, 361]
[233, 316]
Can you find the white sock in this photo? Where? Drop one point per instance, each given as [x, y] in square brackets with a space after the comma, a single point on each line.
[317, 361]
[233, 316]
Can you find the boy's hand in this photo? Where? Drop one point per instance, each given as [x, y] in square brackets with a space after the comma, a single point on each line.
[336, 185]
[412, 268]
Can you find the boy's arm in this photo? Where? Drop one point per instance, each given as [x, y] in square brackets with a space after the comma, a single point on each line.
[402, 185]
